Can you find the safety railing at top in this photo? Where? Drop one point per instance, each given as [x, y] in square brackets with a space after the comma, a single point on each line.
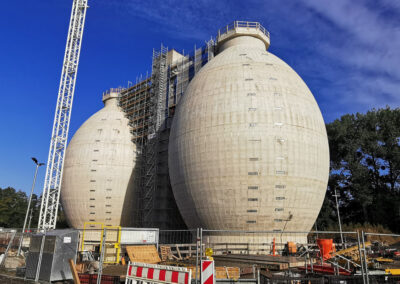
[243, 24]
[107, 93]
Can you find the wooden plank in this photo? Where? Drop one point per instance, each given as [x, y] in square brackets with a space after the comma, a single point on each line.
[145, 254]
[179, 253]
[221, 272]
[74, 272]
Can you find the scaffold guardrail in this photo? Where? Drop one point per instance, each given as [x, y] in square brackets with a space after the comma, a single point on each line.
[243, 24]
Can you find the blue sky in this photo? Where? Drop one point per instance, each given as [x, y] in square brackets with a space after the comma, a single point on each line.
[348, 53]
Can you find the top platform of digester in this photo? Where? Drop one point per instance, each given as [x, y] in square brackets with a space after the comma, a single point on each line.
[243, 28]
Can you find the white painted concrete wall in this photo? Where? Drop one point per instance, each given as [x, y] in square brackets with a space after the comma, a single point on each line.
[98, 171]
[248, 145]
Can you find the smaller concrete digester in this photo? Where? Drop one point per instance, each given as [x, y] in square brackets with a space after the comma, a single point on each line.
[248, 146]
[98, 176]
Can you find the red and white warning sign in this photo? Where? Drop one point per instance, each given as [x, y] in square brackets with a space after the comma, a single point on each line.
[153, 273]
[207, 272]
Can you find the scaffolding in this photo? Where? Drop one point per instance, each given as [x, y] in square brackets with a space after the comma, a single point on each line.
[158, 94]
[135, 101]
[150, 106]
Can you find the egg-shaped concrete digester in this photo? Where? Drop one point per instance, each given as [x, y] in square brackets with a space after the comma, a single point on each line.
[98, 177]
[248, 146]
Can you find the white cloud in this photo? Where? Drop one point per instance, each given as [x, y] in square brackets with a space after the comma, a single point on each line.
[348, 51]
[180, 19]
[366, 45]
[369, 41]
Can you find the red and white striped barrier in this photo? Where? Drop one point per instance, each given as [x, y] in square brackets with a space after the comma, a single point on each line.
[154, 273]
[207, 272]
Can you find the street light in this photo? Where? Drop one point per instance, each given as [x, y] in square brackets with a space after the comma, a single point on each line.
[29, 203]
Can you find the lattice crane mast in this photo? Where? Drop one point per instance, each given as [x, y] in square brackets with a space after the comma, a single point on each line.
[59, 136]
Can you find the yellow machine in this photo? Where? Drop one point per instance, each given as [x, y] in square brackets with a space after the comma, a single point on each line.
[351, 254]
[392, 271]
[350, 251]
[383, 260]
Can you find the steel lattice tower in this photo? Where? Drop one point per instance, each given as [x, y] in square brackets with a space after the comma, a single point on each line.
[59, 136]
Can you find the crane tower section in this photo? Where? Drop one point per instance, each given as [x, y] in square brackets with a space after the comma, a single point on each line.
[59, 136]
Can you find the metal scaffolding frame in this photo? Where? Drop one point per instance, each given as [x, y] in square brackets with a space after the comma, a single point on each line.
[157, 118]
[150, 106]
[59, 136]
[135, 101]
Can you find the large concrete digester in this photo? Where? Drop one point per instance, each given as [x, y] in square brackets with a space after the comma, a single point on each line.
[248, 147]
[98, 176]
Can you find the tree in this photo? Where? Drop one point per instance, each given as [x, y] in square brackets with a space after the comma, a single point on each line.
[365, 168]
[13, 205]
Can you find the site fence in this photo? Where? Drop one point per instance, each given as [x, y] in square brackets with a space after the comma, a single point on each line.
[266, 242]
[177, 237]
[380, 251]
[356, 254]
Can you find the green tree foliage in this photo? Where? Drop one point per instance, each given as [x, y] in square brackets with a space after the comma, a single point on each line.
[13, 205]
[365, 169]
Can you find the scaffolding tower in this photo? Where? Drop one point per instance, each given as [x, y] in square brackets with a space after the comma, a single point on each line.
[150, 107]
[157, 118]
[135, 101]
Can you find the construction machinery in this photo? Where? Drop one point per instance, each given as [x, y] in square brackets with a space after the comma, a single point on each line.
[350, 253]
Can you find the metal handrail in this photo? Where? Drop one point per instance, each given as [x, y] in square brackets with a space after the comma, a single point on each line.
[275, 232]
[107, 93]
[243, 24]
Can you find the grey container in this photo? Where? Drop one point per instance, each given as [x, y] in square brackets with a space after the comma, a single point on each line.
[59, 247]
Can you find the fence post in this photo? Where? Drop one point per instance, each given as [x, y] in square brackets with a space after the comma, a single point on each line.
[201, 251]
[361, 257]
[365, 256]
[40, 256]
[103, 248]
[197, 254]
[21, 239]
[306, 263]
